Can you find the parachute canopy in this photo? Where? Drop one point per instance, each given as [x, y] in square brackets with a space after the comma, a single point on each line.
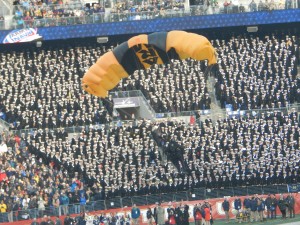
[141, 52]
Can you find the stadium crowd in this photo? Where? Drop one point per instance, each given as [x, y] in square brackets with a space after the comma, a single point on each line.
[47, 82]
[261, 150]
[38, 13]
[254, 73]
[31, 13]
[45, 172]
[179, 86]
[258, 73]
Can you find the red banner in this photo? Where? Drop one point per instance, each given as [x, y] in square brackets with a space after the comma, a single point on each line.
[217, 211]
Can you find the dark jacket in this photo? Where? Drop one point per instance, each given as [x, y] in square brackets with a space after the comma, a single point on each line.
[225, 205]
[253, 206]
[282, 204]
[237, 204]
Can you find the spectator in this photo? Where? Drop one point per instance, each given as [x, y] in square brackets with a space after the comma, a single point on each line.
[253, 6]
[56, 205]
[44, 220]
[34, 222]
[65, 203]
[58, 221]
[3, 208]
[68, 220]
[82, 202]
[76, 203]
[41, 206]
[50, 222]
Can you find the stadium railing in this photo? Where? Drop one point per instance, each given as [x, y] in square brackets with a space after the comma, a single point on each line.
[134, 93]
[126, 94]
[77, 129]
[182, 113]
[121, 202]
[18, 23]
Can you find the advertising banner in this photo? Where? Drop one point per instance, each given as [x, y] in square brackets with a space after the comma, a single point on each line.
[22, 35]
[217, 211]
[126, 102]
[294, 188]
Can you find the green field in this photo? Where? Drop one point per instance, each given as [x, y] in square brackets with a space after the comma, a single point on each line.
[268, 222]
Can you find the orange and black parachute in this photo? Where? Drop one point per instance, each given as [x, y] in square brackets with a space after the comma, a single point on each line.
[141, 52]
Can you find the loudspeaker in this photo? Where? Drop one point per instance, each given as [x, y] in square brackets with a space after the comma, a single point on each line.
[102, 40]
[252, 29]
[38, 44]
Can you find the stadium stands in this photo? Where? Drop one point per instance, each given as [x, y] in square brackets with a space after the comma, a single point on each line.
[25, 181]
[250, 150]
[121, 159]
[108, 161]
[47, 82]
[58, 13]
[40, 89]
[248, 79]
[179, 86]
[258, 73]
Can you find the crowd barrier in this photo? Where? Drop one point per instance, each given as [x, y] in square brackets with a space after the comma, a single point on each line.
[216, 203]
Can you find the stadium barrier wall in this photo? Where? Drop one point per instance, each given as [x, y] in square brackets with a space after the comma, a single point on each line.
[217, 211]
[151, 25]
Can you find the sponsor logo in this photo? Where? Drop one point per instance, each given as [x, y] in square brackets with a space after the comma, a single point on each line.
[22, 35]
